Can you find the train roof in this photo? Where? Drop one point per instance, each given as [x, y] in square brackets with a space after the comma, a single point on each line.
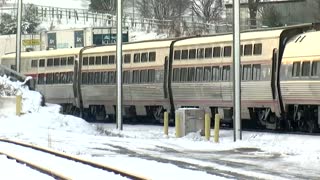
[229, 37]
[132, 46]
[303, 45]
[164, 43]
[253, 34]
[44, 54]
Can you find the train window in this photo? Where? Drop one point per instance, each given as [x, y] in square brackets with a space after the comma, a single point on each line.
[315, 68]
[34, 63]
[225, 73]
[41, 63]
[144, 76]
[90, 77]
[126, 77]
[56, 61]
[111, 76]
[199, 74]
[104, 59]
[136, 77]
[63, 61]
[200, 53]
[63, 78]
[85, 61]
[104, 77]
[84, 78]
[49, 62]
[215, 73]
[246, 72]
[176, 75]
[227, 51]
[136, 57]
[112, 59]
[41, 79]
[183, 74]
[208, 53]
[56, 78]
[305, 68]
[177, 55]
[98, 60]
[69, 77]
[127, 58]
[247, 50]
[49, 78]
[207, 73]
[191, 74]
[70, 60]
[256, 72]
[184, 54]
[296, 69]
[216, 52]
[97, 78]
[151, 75]
[257, 49]
[192, 53]
[91, 60]
[144, 57]
[241, 50]
[152, 56]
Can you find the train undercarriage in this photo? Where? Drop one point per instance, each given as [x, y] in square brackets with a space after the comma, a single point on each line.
[304, 118]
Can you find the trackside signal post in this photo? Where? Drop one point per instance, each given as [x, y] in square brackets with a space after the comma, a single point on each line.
[119, 65]
[236, 71]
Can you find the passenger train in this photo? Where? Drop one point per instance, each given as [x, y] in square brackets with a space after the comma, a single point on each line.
[280, 77]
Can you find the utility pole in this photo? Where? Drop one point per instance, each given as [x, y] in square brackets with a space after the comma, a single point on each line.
[18, 36]
[119, 64]
[236, 72]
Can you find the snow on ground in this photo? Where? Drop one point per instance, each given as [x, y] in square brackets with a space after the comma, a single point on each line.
[44, 126]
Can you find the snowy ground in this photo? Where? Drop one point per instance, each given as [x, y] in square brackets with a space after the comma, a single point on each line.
[147, 151]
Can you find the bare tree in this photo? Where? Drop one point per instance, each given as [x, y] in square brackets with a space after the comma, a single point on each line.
[144, 7]
[253, 10]
[3, 2]
[167, 11]
[271, 17]
[317, 9]
[209, 11]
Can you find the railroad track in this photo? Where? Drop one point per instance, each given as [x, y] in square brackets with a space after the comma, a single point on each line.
[59, 165]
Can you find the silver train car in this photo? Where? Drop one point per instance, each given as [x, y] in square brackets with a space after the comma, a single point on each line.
[162, 75]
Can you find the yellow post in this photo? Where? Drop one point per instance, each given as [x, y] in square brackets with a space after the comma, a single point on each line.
[207, 122]
[165, 123]
[18, 105]
[216, 127]
[178, 128]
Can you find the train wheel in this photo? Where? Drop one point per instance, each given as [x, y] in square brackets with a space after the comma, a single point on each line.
[311, 126]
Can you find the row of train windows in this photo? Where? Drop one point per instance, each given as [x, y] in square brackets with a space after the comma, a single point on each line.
[64, 61]
[55, 78]
[215, 73]
[304, 69]
[128, 77]
[216, 52]
[137, 57]
[95, 60]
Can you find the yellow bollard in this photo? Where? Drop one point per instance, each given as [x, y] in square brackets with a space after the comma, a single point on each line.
[178, 128]
[18, 105]
[216, 127]
[165, 123]
[207, 122]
